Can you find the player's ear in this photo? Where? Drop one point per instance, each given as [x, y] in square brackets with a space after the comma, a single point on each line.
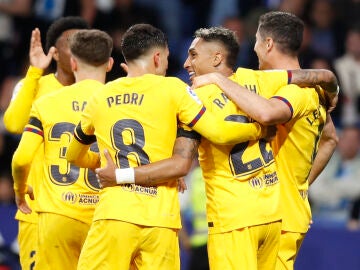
[157, 59]
[218, 58]
[73, 64]
[110, 64]
[269, 44]
[56, 54]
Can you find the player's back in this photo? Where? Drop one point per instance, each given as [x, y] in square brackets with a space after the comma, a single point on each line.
[63, 189]
[136, 119]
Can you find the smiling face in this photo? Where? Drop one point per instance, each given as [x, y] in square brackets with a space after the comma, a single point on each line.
[201, 58]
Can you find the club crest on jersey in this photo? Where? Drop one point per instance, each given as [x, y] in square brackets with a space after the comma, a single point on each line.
[267, 180]
[193, 95]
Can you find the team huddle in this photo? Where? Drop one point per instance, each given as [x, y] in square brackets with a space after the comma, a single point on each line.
[96, 171]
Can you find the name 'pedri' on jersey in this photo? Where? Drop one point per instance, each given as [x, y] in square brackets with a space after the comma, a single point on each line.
[136, 119]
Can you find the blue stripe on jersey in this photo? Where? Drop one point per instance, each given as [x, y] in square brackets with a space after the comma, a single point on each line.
[197, 117]
[287, 103]
[82, 137]
[36, 123]
[33, 130]
[289, 76]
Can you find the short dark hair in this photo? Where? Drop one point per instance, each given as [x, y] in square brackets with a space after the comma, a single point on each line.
[226, 37]
[91, 46]
[284, 28]
[60, 26]
[140, 38]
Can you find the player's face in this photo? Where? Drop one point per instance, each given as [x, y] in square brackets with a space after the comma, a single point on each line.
[63, 50]
[200, 58]
[260, 50]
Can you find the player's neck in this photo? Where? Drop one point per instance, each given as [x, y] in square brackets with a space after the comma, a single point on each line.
[285, 62]
[226, 71]
[139, 67]
[97, 75]
[64, 78]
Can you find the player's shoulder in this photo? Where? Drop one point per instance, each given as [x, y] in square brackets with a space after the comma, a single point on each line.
[48, 78]
[171, 80]
[207, 90]
[242, 75]
[301, 91]
[242, 69]
[172, 85]
[53, 97]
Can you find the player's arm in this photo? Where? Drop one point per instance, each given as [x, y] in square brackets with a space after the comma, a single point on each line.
[265, 111]
[17, 114]
[78, 152]
[235, 129]
[30, 141]
[326, 79]
[170, 169]
[327, 145]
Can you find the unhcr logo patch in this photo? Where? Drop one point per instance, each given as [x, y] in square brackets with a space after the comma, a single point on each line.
[150, 191]
[256, 183]
[69, 197]
[271, 179]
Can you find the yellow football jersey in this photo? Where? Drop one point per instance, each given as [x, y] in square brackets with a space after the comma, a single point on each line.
[136, 119]
[242, 185]
[295, 147]
[64, 188]
[15, 120]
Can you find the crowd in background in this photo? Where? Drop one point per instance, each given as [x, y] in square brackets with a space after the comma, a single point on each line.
[331, 41]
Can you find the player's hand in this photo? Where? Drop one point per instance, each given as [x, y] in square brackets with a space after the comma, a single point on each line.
[106, 176]
[205, 79]
[330, 100]
[270, 133]
[36, 54]
[30, 192]
[125, 67]
[182, 185]
[21, 202]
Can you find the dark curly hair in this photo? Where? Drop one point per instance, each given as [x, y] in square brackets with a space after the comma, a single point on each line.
[60, 26]
[224, 36]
